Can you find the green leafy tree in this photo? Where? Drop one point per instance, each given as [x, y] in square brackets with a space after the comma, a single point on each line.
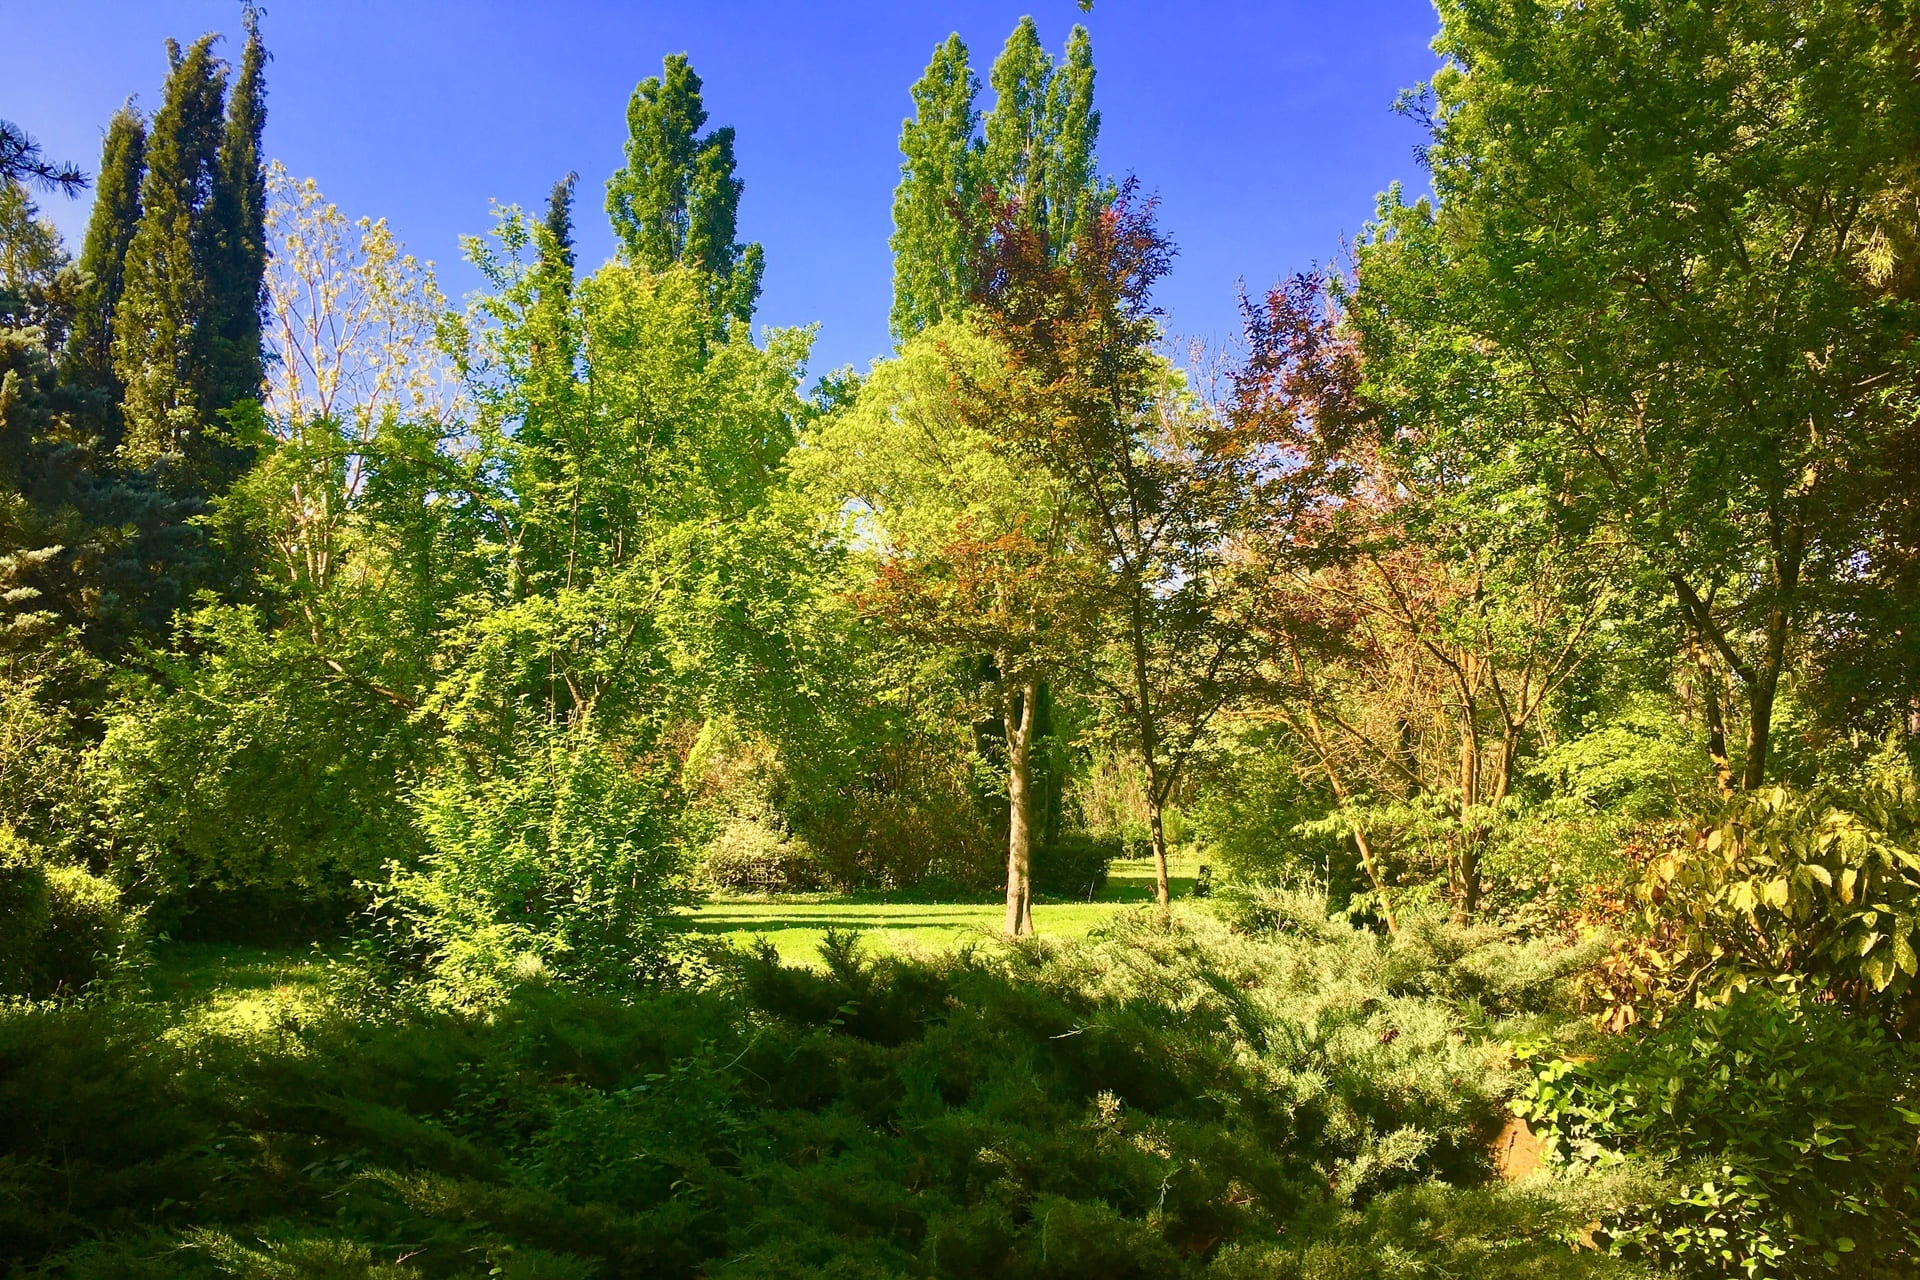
[961, 540]
[1668, 228]
[677, 199]
[1034, 151]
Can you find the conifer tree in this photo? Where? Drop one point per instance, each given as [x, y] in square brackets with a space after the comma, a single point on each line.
[938, 179]
[556, 251]
[88, 359]
[552, 346]
[1037, 154]
[237, 273]
[677, 199]
[160, 326]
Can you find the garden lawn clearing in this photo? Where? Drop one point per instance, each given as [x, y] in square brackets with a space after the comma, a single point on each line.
[796, 924]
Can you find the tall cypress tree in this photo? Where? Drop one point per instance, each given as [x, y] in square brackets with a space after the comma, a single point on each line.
[554, 343]
[937, 182]
[677, 199]
[161, 335]
[87, 362]
[1036, 149]
[556, 252]
[237, 274]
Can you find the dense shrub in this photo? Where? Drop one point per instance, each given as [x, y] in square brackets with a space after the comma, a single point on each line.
[250, 789]
[910, 824]
[61, 926]
[752, 856]
[560, 858]
[1794, 1124]
[1161, 1103]
[1250, 819]
[1073, 866]
[1817, 889]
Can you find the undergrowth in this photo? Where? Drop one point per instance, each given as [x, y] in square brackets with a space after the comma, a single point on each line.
[1310, 1100]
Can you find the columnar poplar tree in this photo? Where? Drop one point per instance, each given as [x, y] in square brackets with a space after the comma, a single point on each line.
[1036, 155]
[938, 180]
[88, 360]
[676, 201]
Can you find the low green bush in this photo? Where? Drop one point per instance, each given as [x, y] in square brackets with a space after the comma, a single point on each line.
[250, 791]
[61, 926]
[1793, 1125]
[1073, 866]
[753, 856]
[1156, 1103]
[559, 859]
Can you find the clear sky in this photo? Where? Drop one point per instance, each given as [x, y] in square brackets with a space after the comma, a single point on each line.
[1265, 127]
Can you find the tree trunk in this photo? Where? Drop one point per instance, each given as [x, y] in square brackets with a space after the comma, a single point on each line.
[1162, 890]
[1761, 692]
[1716, 724]
[1464, 873]
[1017, 713]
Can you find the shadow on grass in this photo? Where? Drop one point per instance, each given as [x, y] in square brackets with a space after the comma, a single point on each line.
[197, 972]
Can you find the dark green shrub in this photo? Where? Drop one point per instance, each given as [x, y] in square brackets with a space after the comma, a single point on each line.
[1161, 1103]
[1795, 1125]
[1073, 866]
[61, 926]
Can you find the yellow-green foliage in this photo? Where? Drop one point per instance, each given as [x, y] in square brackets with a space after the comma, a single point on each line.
[1818, 888]
[60, 925]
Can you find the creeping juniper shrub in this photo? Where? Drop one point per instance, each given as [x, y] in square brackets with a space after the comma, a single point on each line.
[1156, 1102]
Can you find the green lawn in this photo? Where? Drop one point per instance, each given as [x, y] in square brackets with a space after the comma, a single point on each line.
[254, 991]
[796, 923]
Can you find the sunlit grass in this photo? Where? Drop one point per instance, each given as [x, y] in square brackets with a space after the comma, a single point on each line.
[245, 993]
[796, 924]
[251, 992]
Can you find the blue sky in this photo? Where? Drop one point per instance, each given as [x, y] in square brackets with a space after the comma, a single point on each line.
[1265, 129]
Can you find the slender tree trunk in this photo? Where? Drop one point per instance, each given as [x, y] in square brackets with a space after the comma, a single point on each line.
[1157, 833]
[1317, 738]
[1017, 714]
[1761, 692]
[1716, 724]
[1147, 729]
[1759, 729]
[1465, 872]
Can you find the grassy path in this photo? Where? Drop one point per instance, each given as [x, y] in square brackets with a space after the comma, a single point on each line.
[796, 923]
